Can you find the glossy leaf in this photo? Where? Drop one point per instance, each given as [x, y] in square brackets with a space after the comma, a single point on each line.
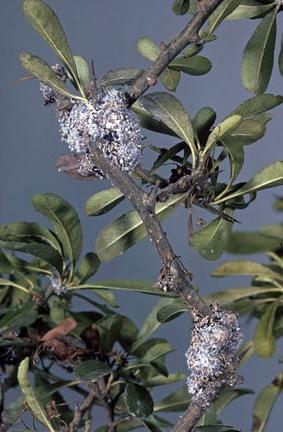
[193, 49]
[258, 55]
[89, 265]
[264, 341]
[127, 230]
[223, 128]
[249, 131]
[170, 79]
[152, 322]
[171, 311]
[166, 108]
[197, 65]
[211, 240]
[258, 104]
[38, 250]
[103, 201]
[90, 370]
[181, 7]
[220, 13]
[124, 285]
[203, 120]
[17, 317]
[82, 71]
[250, 9]
[30, 397]
[138, 400]
[28, 232]
[47, 24]
[65, 221]
[233, 294]
[159, 380]
[122, 76]
[270, 176]
[151, 51]
[176, 401]
[41, 70]
[247, 268]
[250, 242]
[264, 404]
[147, 121]
[235, 150]
[152, 349]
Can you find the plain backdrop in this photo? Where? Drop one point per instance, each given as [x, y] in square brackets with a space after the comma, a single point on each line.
[107, 32]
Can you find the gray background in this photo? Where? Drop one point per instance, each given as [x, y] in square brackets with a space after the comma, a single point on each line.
[30, 145]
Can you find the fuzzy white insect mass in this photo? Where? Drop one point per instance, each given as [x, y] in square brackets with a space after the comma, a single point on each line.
[212, 355]
[107, 123]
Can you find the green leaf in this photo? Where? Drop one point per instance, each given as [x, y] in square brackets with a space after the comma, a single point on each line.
[127, 230]
[47, 24]
[41, 70]
[151, 51]
[65, 221]
[42, 251]
[152, 322]
[197, 65]
[258, 55]
[193, 49]
[250, 9]
[171, 311]
[103, 201]
[148, 122]
[181, 7]
[204, 120]
[174, 402]
[233, 294]
[249, 131]
[220, 13]
[280, 58]
[90, 370]
[250, 242]
[264, 404]
[246, 268]
[30, 398]
[122, 76]
[148, 48]
[159, 380]
[88, 267]
[270, 176]
[222, 129]
[128, 333]
[170, 79]
[235, 151]
[272, 230]
[264, 341]
[17, 317]
[152, 349]
[138, 400]
[124, 285]
[211, 240]
[258, 104]
[225, 398]
[166, 108]
[82, 71]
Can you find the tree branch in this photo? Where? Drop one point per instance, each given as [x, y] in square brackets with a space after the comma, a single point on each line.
[169, 52]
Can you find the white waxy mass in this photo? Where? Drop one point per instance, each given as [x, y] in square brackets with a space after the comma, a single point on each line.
[106, 123]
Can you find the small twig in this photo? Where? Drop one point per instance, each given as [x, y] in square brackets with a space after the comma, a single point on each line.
[169, 52]
[81, 410]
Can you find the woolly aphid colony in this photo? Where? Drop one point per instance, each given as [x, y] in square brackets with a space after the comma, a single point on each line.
[105, 122]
